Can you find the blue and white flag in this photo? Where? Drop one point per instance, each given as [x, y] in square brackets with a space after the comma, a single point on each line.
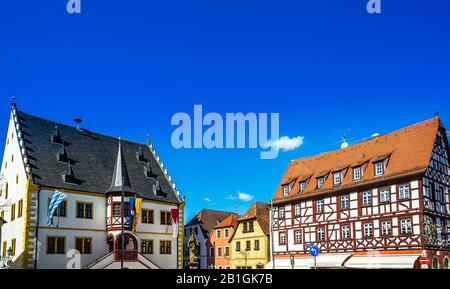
[57, 199]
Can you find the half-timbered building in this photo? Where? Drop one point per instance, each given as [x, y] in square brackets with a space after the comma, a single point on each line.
[380, 203]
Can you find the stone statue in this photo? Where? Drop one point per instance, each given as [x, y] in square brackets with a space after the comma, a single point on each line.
[193, 246]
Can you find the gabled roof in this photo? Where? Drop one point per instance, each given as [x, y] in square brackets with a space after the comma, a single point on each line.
[408, 151]
[92, 158]
[208, 219]
[230, 221]
[260, 212]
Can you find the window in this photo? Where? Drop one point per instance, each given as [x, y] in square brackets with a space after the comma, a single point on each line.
[250, 226]
[238, 246]
[147, 216]
[20, 209]
[166, 218]
[126, 210]
[13, 212]
[12, 158]
[344, 202]
[345, 232]
[17, 179]
[298, 237]
[357, 173]
[245, 227]
[405, 226]
[13, 247]
[165, 247]
[4, 249]
[281, 212]
[286, 190]
[319, 206]
[368, 230]
[117, 210]
[320, 234]
[146, 246]
[403, 192]
[248, 246]
[227, 251]
[218, 234]
[61, 210]
[320, 183]
[56, 245]
[367, 198]
[297, 210]
[384, 195]
[83, 245]
[6, 191]
[302, 187]
[256, 245]
[84, 210]
[227, 232]
[435, 263]
[379, 169]
[211, 251]
[386, 228]
[219, 252]
[446, 263]
[282, 238]
[337, 179]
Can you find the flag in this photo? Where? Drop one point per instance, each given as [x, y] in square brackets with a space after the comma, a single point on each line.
[132, 213]
[174, 213]
[57, 199]
[137, 205]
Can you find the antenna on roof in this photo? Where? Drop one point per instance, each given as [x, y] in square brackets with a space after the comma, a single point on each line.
[344, 143]
[78, 121]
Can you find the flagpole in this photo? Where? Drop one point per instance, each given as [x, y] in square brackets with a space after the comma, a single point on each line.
[123, 231]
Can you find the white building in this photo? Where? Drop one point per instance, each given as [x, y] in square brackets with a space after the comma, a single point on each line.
[42, 157]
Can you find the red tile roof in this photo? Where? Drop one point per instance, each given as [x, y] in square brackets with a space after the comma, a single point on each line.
[208, 219]
[230, 221]
[260, 212]
[408, 150]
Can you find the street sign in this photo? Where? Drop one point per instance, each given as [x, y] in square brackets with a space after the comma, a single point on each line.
[314, 250]
[424, 260]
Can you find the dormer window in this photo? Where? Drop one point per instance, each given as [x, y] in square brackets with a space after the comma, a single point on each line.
[286, 190]
[320, 182]
[337, 179]
[357, 175]
[379, 169]
[302, 187]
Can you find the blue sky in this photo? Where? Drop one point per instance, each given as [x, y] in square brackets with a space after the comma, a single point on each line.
[126, 67]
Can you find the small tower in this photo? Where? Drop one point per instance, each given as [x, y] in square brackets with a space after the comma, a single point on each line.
[120, 180]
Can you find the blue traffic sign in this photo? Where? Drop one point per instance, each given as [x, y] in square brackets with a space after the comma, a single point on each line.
[314, 250]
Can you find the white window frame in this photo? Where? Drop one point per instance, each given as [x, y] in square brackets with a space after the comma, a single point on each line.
[345, 232]
[357, 174]
[385, 195]
[367, 198]
[368, 230]
[337, 179]
[345, 199]
[298, 236]
[379, 169]
[406, 226]
[320, 182]
[386, 228]
[286, 189]
[319, 206]
[297, 210]
[302, 187]
[404, 192]
[281, 213]
[282, 238]
[321, 234]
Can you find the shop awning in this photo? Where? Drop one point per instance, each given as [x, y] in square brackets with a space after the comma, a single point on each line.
[322, 261]
[382, 261]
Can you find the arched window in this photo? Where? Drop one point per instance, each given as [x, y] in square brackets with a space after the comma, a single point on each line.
[435, 263]
[446, 263]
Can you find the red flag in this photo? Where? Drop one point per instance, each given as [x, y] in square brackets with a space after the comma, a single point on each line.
[175, 223]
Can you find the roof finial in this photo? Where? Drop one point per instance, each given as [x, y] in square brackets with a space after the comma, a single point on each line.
[13, 101]
[438, 113]
[148, 140]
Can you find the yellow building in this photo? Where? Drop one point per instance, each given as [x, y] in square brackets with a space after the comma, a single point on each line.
[250, 244]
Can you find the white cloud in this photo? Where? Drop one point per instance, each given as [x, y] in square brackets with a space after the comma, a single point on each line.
[245, 197]
[286, 143]
[208, 200]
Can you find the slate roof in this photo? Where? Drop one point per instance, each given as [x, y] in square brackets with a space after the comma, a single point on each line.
[92, 156]
[208, 219]
[260, 212]
[408, 151]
